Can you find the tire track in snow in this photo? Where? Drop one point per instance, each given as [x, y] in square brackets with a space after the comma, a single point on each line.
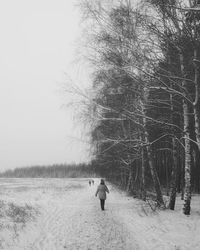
[56, 217]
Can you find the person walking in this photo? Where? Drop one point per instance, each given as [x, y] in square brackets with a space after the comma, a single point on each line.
[101, 191]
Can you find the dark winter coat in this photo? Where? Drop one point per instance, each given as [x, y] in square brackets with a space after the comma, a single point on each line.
[101, 191]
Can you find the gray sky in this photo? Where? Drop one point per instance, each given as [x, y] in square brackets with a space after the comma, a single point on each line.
[36, 48]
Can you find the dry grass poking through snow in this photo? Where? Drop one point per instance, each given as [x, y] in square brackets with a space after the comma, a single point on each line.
[13, 218]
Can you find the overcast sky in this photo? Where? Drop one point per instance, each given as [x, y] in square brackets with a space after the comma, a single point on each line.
[36, 50]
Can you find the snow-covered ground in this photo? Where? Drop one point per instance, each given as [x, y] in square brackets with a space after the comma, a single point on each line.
[55, 214]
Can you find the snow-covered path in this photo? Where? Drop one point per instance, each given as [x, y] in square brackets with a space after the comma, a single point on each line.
[73, 220]
[70, 218]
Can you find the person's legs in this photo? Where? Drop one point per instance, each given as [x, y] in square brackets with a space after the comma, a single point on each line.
[102, 203]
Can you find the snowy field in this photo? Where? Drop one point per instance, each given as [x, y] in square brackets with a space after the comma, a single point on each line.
[56, 214]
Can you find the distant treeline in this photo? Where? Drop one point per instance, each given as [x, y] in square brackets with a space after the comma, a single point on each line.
[53, 171]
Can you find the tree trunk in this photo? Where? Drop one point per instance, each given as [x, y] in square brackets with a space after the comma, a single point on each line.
[153, 171]
[173, 184]
[155, 178]
[166, 174]
[196, 102]
[187, 191]
[143, 182]
[129, 183]
[197, 124]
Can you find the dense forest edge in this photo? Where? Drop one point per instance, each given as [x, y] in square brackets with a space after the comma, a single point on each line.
[143, 108]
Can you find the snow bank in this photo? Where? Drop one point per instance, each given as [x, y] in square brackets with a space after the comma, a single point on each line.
[162, 229]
